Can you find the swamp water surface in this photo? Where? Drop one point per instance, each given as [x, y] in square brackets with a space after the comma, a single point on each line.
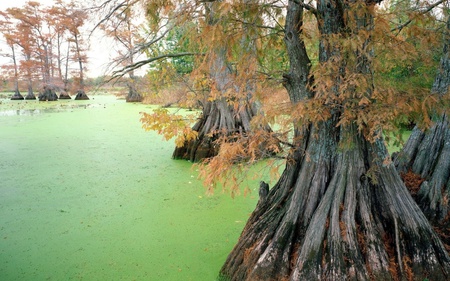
[87, 194]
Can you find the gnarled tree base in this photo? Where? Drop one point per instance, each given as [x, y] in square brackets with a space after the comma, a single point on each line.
[64, 96]
[219, 119]
[17, 96]
[134, 96]
[30, 97]
[338, 214]
[427, 154]
[81, 95]
[48, 95]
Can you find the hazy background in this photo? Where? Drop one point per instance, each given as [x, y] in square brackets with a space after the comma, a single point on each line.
[101, 49]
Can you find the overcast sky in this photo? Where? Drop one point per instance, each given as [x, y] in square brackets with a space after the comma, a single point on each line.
[100, 52]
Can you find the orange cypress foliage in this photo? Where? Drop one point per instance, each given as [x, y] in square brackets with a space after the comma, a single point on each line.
[375, 104]
[169, 125]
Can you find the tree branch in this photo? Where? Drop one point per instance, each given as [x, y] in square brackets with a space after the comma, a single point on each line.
[307, 7]
[121, 72]
[142, 46]
[428, 9]
[259, 26]
[111, 12]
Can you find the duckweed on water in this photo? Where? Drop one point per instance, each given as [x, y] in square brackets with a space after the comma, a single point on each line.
[86, 194]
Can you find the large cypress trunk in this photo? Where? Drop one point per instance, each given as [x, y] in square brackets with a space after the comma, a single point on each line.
[339, 211]
[326, 220]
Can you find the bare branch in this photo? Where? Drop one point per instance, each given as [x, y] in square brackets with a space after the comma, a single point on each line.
[146, 45]
[121, 72]
[113, 10]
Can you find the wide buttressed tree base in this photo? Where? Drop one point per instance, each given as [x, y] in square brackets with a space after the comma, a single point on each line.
[424, 165]
[218, 119]
[327, 219]
[133, 95]
[64, 95]
[17, 96]
[48, 94]
[424, 162]
[81, 95]
[30, 96]
[340, 210]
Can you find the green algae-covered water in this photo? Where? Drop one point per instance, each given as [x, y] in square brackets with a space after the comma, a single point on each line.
[87, 194]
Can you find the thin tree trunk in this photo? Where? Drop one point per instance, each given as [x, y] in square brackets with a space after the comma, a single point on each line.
[16, 95]
[339, 211]
[65, 91]
[46, 65]
[30, 95]
[64, 95]
[80, 63]
[133, 94]
[81, 94]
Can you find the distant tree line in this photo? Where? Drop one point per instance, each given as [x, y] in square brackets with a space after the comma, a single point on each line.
[47, 49]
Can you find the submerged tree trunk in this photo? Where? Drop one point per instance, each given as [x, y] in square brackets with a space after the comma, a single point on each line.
[339, 211]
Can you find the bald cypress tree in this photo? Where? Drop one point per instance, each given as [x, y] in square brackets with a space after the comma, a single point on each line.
[340, 210]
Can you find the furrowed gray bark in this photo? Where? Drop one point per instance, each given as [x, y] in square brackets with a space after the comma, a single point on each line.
[340, 210]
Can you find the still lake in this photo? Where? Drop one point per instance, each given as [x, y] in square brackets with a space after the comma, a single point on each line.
[87, 194]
